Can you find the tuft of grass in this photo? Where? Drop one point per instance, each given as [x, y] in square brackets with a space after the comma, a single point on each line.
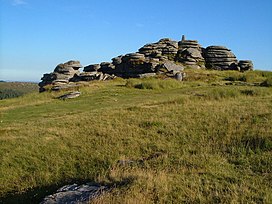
[219, 93]
[267, 82]
[153, 83]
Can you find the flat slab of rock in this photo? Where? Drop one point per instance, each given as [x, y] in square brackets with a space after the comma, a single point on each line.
[171, 66]
[64, 87]
[75, 194]
[92, 68]
[217, 47]
[146, 75]
[70, 95]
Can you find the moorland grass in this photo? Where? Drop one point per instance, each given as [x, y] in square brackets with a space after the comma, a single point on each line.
[190, 142]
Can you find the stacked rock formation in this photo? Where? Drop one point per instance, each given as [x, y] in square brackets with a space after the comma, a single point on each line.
[146, 62]
[167, 57]
[165, 49]
[133, 65]
[129, 65]
[61, 75]
[190, 54]
[220, 58]
[64, 76]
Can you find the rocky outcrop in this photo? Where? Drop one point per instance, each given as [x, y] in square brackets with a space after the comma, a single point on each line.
[190, 54]
[65, 75]
[62, 74]
[165, 49]
[167, 57]
[220, 58]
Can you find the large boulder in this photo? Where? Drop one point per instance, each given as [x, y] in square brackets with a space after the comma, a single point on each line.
[220, 58]
[245, 65]
[170, 66]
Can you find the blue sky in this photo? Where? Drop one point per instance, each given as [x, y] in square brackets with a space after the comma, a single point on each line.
[36, 35]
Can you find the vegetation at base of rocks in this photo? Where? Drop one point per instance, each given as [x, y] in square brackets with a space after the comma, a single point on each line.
[200, 142]
[16, 89]
[153, 83]
[249, 76]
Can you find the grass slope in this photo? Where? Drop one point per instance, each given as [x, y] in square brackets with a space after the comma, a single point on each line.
[197, 141]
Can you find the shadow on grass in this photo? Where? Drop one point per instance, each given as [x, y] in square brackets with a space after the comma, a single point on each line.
[36, 195]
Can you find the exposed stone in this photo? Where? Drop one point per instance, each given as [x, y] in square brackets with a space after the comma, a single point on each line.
[92, 67]
[117, 60]
[64, 87]
[220, 58]
[74, 194]
[146, 75]
[190, 53]
[164, 47]
[245, 65]
[179, 76]
[170, 66]
[89, 76]
[60, 82]
[61, 76]
[107, 67]
[70, 95]
[74, 64]
[216, 47]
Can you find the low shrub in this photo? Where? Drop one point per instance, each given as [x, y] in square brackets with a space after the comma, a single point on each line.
[9, 93]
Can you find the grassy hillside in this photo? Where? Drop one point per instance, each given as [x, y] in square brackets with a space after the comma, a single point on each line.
[16, 89]
[204, 140]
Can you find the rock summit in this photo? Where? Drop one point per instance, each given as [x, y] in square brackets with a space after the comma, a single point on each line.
[165, 57]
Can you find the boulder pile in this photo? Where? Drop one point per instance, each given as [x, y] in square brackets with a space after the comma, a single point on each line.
[65, 74]
[165, 57]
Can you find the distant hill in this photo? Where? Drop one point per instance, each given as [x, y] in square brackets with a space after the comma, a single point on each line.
[16, 89]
